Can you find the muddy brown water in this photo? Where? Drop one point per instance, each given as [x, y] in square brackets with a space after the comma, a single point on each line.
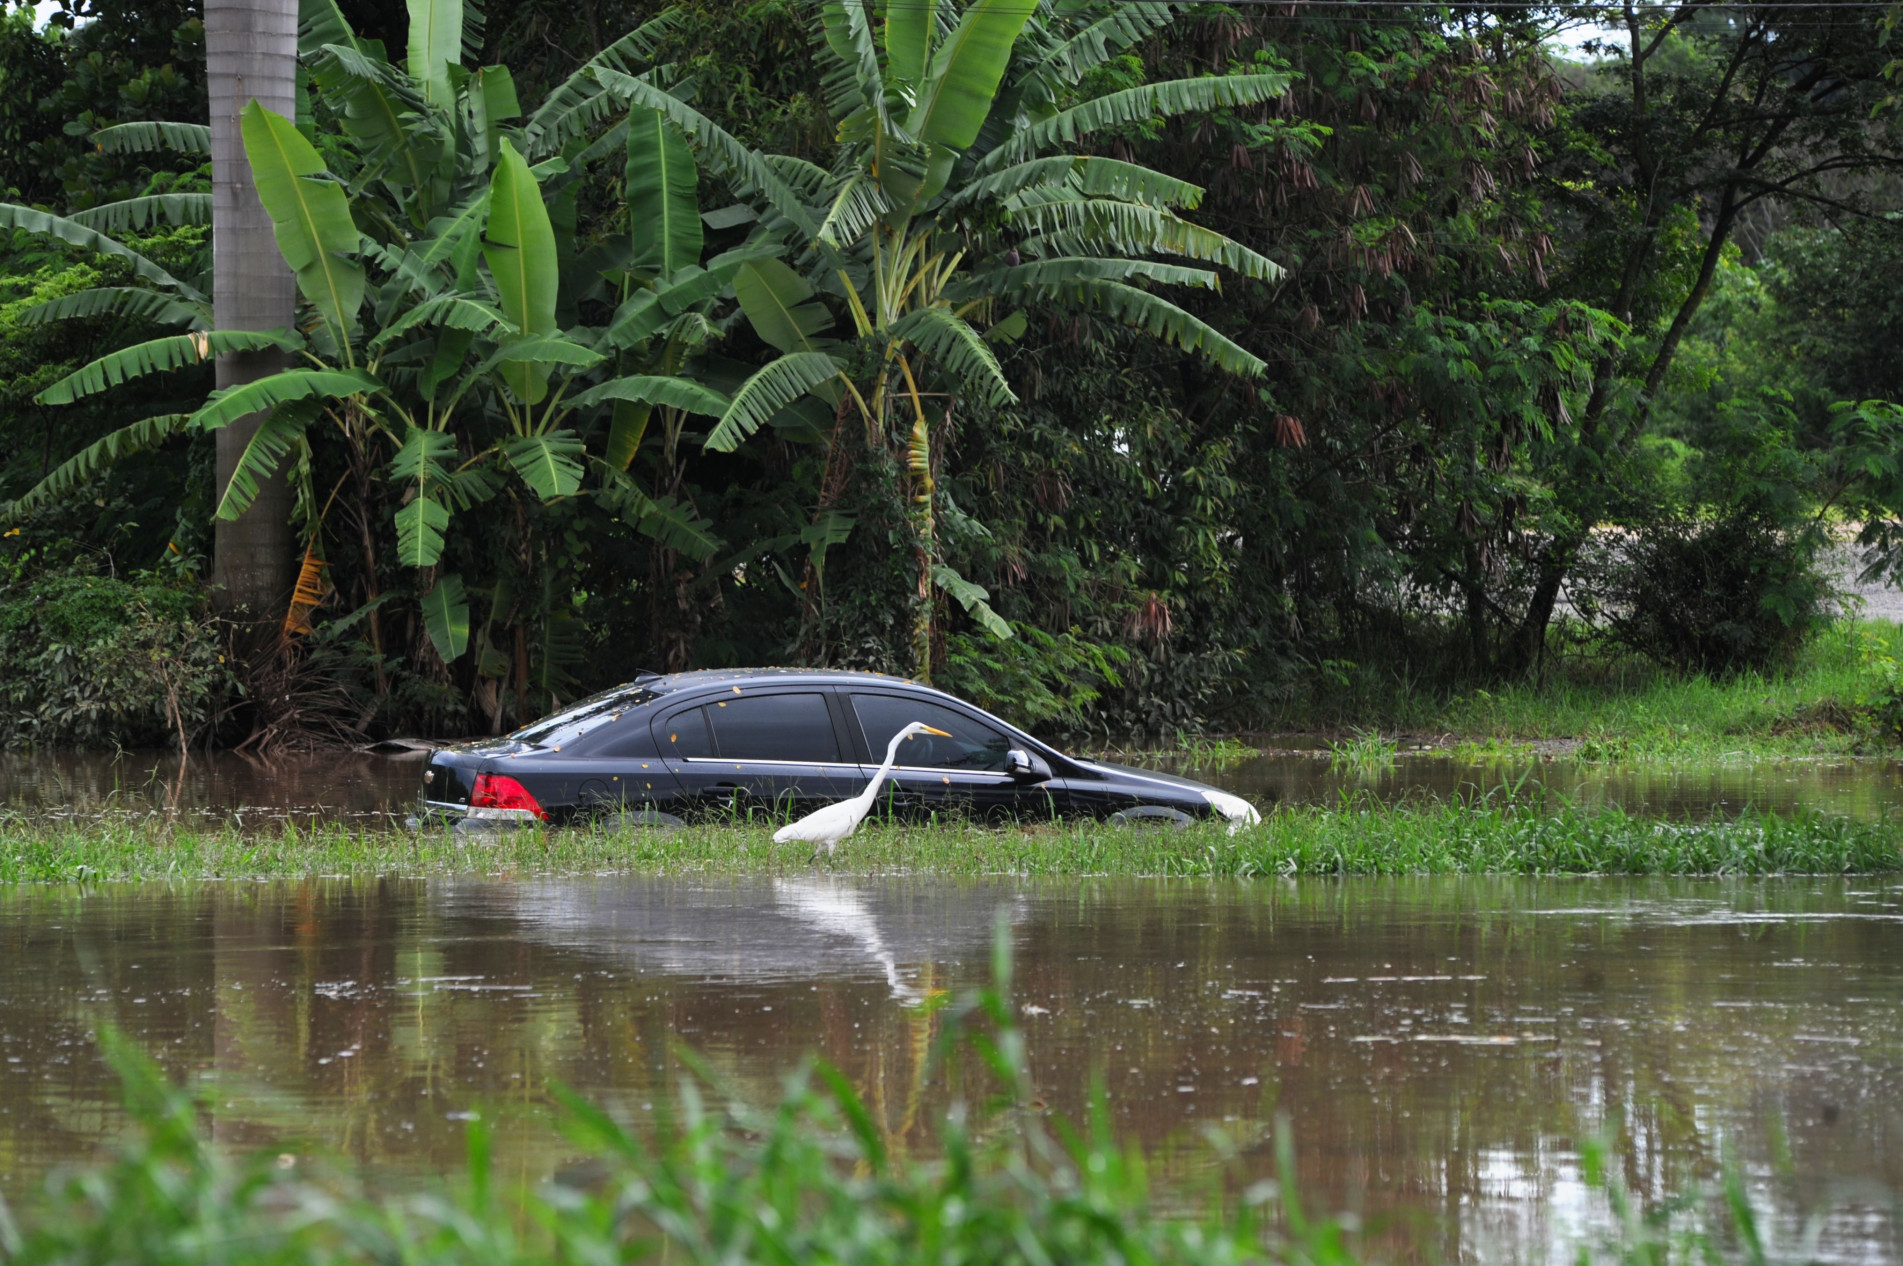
[1439, 1046]
[363, 787]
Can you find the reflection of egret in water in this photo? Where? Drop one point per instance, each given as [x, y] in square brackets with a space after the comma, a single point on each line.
[753, 928]
[835, 908]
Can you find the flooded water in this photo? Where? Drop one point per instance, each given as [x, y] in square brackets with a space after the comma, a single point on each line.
[1440, 1046]
[218, 787]
[364, 787]
[1859, 788]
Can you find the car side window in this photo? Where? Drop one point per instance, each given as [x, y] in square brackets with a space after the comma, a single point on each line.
[971, 745]
[686, 735]
[789, 727]
[633, 736]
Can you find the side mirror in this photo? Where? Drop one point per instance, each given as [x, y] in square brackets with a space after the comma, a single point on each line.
[1026, 765]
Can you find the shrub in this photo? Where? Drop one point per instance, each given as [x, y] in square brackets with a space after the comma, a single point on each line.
[96, 660]
[1720, 595]
[1715, 568]
[1879, 696]
[1045, 683]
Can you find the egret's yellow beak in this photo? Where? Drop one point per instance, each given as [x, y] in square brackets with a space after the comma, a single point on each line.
[940, 733]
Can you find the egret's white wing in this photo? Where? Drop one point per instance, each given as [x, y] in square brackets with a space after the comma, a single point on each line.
[822, 826]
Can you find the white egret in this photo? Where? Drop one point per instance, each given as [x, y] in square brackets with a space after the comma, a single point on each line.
[824, 828]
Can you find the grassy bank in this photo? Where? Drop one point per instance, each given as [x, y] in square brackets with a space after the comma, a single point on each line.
[1627, 709]
[1352, 840]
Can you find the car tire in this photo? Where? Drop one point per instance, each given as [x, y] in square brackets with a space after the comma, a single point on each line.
[639, 820]
[1154, 817]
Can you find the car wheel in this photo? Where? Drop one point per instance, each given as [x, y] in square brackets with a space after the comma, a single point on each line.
[1154, 817]
[640, 820]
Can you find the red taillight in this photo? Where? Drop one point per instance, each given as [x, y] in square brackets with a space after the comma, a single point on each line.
[499, 791]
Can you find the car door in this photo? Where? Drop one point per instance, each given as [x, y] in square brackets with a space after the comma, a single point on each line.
[626, 771]
[775, 751]
[687, 749]
[963, 773]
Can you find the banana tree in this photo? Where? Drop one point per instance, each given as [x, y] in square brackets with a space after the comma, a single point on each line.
[154, 295]
[955, 201]
[442, 236]
[439, 335]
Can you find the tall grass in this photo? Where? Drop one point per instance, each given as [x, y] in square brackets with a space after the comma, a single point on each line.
[810, 1179]
[1359, 837]
[1364, 755]
[1624, 708]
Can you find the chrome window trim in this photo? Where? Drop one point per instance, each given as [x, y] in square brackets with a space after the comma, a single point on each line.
[730, 760]
[819, 764]
[947, 769]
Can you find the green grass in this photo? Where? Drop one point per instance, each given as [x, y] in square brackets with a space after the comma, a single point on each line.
[1353, 839]
[1628, 710]
[1188, 751]
[1364, 755]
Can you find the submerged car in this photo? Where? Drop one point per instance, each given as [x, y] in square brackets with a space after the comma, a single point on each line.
[663, 749]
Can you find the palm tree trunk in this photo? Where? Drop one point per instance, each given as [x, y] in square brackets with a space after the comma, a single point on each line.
[250, 53]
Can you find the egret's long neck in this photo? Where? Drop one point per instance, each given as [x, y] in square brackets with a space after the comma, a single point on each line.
[871, 793]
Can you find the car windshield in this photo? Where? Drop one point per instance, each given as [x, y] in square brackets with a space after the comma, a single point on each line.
[561, 728]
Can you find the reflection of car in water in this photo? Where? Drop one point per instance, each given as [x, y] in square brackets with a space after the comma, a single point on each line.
[786, 740]
[801, 928]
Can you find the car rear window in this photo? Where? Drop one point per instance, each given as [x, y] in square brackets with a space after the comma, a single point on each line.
[564, 727]
[971, 745]
[789, 727]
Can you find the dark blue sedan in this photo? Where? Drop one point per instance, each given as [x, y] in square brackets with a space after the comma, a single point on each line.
[663, 749]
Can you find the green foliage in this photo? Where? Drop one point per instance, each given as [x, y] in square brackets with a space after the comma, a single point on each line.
[95, 659]
[915, 244]
[1607, 706]
[1718, 595]
[1879, 694]
[92, 66]
[110, 481]
[448, 326]
[1726, 575]
[310, 217]
[1364, 755]
[1046, 683]
[31, 71]
[446, 615]
[1454, 353]
[1838, 317]
[159, 356]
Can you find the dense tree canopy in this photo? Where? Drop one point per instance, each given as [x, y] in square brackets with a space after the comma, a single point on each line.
[1244, 352]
